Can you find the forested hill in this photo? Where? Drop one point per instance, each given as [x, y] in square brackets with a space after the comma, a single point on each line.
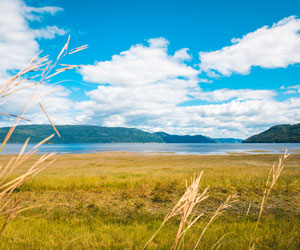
[79, 134]
[185, 138]
[97, 134]
[278, 134]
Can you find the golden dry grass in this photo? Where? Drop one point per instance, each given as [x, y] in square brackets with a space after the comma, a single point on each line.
[118, 201]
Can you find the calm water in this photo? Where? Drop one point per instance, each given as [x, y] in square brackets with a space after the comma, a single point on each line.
[170, 148]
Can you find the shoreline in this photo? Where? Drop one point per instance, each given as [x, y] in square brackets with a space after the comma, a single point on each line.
[134, 153]
[159, 148]
[246, 153]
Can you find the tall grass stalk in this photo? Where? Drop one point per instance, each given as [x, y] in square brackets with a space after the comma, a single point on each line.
[273, 176]
[9, 207]
[220, 210]
[184, 207]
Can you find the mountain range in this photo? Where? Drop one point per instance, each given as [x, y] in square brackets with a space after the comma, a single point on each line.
[97, 134]
[285, 133]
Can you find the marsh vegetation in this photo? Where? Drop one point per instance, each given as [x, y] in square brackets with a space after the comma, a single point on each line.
[118, 200]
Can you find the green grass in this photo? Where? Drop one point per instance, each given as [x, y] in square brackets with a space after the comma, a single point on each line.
[118, 200]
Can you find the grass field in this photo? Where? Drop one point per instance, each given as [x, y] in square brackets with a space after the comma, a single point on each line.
[118, 200]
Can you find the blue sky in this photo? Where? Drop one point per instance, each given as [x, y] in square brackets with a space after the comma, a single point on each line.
[218, 68]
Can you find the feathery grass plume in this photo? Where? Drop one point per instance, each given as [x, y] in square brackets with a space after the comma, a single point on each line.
[220, 210]
[78, 49]
[20, 81]
[12, 86]
[273, 176]
[184, 208]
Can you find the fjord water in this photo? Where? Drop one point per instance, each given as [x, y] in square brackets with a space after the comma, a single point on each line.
[159, 148]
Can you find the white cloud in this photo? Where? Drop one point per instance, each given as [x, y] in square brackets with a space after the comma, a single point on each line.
[268, 47]
[17, 39]
[41, 10]
[205, 80]
[158, 42]
[49, 32]
[143, 82]
[141, 65]
[36, 13]
[291, 92]
[182, 55]
[291, 89]
[238, 119]
[222, 95]
[18, 46]
[295, 87]
[145, 87]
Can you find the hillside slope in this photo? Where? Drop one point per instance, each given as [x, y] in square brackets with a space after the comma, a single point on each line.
[278, 134]
[97, 134]
[79, 134]
[185, 138]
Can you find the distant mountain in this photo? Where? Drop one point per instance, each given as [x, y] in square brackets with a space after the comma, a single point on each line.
[228, 140]
[278, 134]
[79, 134]
[184, 138]
[97, 134]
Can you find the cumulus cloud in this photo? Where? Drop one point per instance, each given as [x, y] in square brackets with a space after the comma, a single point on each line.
[268, 47]
[237, 118]
[147, 88]
[182, 55]
[142, 82]
[141, 65]
[17, 43]
[18, 46]
[17, 39]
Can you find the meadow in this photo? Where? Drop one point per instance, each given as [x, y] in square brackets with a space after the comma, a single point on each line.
[117, 200]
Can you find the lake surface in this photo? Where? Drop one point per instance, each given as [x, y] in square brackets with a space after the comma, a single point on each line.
[162, 148]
